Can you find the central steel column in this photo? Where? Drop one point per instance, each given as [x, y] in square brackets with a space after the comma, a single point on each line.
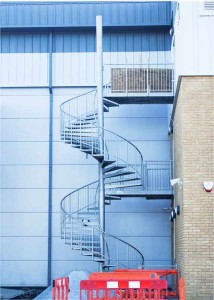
[99, 36]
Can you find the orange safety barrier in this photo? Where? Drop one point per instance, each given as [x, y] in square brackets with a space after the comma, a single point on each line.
[123, 274]
[182, 289]
[163, 274]
[139, 274]
[123, 289]
[60, 289]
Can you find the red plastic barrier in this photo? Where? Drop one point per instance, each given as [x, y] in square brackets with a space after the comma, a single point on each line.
[152, 275]
[182, 289]
[123, 289]
[60, 289]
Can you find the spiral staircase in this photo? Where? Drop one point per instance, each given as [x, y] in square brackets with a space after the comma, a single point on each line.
[122, 167]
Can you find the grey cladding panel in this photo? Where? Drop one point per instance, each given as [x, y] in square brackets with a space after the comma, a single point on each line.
[25, 177]
[24, 248]
[73, 176]
[24, 224]
[153, 248]
[134, 205]
[25, 153]
[137, 128]
[138, 224]
[24, 200]
[38, 273]
[25, 130]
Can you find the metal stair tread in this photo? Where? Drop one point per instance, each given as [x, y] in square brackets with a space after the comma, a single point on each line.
[110, 103]
[115, 174]
[93, 208]
[89, 118]
[80, 125]
[110, 266]
[86, 213]
[99, 259]
[122, 186]
[114, 168]
[91, 113]
[98, 156]
[122, 180]
[97, 247]
[107, 197]
[83, 122]
[88, 253]
[90, 151]
[107, 163]
[107, 203]
[105, 108]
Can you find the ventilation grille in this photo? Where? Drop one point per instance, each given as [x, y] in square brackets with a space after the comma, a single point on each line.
[139, 80]
[209, 5]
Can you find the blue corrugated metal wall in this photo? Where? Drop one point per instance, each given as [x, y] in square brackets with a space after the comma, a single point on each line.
[85, 42]
[83, 14]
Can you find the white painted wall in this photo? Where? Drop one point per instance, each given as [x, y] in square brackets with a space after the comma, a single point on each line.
[194, 39]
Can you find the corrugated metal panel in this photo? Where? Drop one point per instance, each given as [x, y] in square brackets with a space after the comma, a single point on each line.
[85, 42]
[24, 69]
[24, 43]
[82, 14]
[25, 56]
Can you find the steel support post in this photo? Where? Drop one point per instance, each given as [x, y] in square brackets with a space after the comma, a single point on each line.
[99, 34]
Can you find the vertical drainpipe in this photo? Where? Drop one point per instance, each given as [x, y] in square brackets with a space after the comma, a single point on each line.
[50, 180]
[174, 221]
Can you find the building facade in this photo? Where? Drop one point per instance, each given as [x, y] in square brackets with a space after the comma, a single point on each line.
[48, 55]
[193, 140]
[47, 59]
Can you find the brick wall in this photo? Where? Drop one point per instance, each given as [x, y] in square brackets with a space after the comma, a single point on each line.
[194, 164]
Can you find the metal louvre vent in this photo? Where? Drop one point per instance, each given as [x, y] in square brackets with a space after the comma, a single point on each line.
[209, 5]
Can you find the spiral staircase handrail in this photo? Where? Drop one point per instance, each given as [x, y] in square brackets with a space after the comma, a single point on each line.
[101, 232]
[78, 96]
[115, 237]
[69, 194]
[104, 234]
[78, 117]
[124, 139]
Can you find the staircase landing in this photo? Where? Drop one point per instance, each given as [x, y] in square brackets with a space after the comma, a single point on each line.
[133, 98]
[143, 193]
